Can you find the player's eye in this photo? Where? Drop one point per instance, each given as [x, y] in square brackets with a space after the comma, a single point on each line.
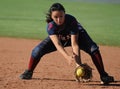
[61, 16]
[56, 17]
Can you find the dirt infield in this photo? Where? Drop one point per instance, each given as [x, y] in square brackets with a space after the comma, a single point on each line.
[53, 71]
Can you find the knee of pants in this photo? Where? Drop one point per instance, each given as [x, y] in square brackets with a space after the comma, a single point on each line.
[93, 49]
[36, 53]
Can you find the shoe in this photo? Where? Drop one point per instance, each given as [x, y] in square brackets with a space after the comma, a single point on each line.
[107, 79]
[26, 75]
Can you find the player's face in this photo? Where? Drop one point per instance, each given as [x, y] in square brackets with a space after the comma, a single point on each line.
[58, 17]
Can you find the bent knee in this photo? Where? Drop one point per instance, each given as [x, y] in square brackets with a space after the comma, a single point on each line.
[93, 49]
[35, 52]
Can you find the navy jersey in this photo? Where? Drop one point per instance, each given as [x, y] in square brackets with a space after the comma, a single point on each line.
[65, 30]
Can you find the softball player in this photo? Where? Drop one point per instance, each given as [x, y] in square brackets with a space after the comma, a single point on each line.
[64, 30]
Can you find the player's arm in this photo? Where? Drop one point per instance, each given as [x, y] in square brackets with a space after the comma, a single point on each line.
[60, 48]
[75, 47]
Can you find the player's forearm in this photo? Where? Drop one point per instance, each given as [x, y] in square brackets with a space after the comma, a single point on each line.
[76, 54]
[75, 47]
[76, 50]
[58, 45]
[62, 50]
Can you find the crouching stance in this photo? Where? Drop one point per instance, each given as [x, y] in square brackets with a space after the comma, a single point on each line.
[63, 31]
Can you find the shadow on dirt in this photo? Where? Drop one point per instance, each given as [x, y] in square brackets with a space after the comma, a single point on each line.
[55, 79]
[91, 83]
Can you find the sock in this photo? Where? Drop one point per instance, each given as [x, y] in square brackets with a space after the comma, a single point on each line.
[97, 60]
[32, 64]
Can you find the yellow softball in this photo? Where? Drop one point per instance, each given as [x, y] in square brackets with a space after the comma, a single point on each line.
[80, 72]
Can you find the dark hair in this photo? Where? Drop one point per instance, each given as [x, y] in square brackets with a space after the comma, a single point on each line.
[54, 7]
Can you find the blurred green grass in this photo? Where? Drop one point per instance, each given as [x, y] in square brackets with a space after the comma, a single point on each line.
[26, 19]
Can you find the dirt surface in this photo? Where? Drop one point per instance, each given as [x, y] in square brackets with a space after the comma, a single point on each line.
[52, 72]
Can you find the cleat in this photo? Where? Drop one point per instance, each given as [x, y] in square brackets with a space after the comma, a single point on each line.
[107, 79]
[26, 75]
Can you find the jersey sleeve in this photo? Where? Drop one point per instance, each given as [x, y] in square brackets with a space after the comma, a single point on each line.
[51, 29]
[74, 26]
[74, 29]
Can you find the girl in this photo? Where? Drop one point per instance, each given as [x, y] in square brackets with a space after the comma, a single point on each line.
[64, 30]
